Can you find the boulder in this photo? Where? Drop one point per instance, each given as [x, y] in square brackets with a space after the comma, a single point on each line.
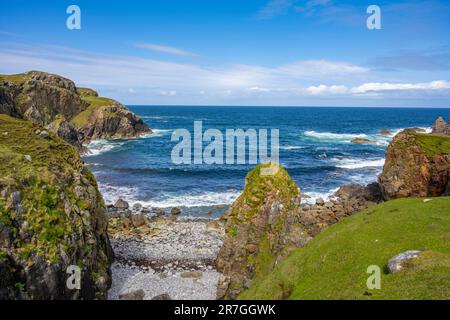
[163, 296]
[137, 220]
[363, 141]
[121, 204]
[396, 264]
[133, 295]
[262, 228]
[175, 211]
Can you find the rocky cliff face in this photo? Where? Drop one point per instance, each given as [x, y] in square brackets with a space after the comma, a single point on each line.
[42, 97]
[440, 127]
[52, 216]
[262, 228]
[417, 165]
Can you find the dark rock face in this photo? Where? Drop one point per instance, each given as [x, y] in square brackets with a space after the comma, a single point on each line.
[66, 131]
[262, 228]
[440, 127]
[44, 98]
[417, 165]
[52, 216]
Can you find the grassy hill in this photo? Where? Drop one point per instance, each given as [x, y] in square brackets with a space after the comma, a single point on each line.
[333, 265]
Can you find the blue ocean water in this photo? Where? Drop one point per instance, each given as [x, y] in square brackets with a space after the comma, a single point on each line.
[315, 149]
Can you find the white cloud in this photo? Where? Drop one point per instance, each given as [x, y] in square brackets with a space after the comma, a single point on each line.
[386, 86]
[274, 8]
[324, 89]
[318, 68]
[168, 92]
[164, 49]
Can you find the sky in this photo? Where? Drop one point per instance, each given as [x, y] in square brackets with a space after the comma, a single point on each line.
[235, 52]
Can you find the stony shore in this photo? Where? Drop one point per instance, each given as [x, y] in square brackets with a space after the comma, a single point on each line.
[165, 257]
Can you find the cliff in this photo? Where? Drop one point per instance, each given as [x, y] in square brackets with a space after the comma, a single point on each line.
[51, 215]
[417, 165]
[262, 228]
[43, 98]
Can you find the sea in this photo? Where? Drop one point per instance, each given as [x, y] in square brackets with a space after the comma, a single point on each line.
[314, 147]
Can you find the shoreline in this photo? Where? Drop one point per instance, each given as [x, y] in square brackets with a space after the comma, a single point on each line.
[165, 256]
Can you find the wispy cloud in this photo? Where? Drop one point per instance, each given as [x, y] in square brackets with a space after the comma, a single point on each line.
[143, 80]
[164, 49]
[274, 8]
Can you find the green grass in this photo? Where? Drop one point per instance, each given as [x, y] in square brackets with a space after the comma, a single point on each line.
[433, 144]
[333, 265]
[43, 183]
[17, 79]
[94, 102]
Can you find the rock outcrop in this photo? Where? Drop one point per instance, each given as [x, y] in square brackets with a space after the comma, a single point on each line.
[348, 200]
[52, 216]
[262, 228]
[440, 127]
[417, 165]
[43, 98]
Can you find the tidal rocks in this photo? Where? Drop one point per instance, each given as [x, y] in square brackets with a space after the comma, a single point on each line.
[52, 216]
[363, 141]
[348, 200]
[384, 133]
[440, 127]
[175, 211]
[163, 296]
[262, 228]
[397, 263]
[42, 97]
[417, 165]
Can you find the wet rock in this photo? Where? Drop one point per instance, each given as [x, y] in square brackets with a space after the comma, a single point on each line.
[175, 211]
[384, 133]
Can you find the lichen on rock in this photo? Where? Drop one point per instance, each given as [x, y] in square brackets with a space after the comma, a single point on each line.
[262, 228]
[51, 216]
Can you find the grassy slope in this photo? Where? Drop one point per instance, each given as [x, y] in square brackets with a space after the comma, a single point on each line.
[94, 102]
[433, 144]
[333, 265]
[39, 182]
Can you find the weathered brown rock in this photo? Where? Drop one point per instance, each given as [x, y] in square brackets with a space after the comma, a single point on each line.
[440, 127]
[262, 228]
[363, 141]
[417, 165]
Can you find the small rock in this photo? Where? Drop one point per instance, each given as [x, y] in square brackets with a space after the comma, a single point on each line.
[192, 274]
[159, 212]
[134, 295]
[164, 296]
[320, 202]
[175, 211]
[427, 200]
[43, 134]
[27, 157]
[395, 264]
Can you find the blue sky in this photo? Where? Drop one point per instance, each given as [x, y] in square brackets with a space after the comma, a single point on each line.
[234, 52]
